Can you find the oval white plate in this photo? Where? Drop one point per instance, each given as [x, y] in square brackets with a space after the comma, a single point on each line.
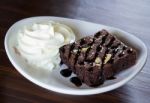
[53, 80]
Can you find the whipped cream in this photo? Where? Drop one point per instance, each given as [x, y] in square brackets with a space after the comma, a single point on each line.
[39, 43]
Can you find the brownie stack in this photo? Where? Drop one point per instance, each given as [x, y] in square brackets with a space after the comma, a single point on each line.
[96, 58]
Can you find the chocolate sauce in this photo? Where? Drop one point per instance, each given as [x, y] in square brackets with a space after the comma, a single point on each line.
[61, 63]
[111, 78]
[66, 72]
[102, 79]
[76, 81]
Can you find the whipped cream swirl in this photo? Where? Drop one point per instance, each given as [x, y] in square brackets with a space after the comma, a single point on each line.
[39, 43]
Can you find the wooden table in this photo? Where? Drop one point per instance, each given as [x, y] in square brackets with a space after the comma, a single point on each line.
[130, 15]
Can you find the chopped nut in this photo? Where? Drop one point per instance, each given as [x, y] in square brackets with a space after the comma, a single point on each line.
[97, 60]
[75, 50]
[123, 52]
[98, 64]
[85, 63]
[84, 49]
[94, 64]
[91, 39]
[131, 49]
[92, 46]
[107, 58]
[93, 52]
[101, 49]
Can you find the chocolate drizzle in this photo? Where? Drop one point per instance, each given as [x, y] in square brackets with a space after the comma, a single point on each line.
[76, 81]
[66, 72]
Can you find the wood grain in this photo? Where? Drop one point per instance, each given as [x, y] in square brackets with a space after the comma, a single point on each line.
[131, 16]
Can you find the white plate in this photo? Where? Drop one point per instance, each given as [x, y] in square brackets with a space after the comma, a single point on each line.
[54, 81]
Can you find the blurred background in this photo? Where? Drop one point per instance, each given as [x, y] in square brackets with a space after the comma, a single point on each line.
[125, 14]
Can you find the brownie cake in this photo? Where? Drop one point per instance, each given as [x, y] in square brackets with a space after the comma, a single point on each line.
[96, 58]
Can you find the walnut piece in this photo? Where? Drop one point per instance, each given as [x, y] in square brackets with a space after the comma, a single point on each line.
[84, 49]
[107, 58]
[97, 60]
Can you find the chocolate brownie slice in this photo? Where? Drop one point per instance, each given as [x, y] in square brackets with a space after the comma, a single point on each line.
[96, 58]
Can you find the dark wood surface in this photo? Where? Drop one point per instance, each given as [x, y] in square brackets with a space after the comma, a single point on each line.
[130, 15]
